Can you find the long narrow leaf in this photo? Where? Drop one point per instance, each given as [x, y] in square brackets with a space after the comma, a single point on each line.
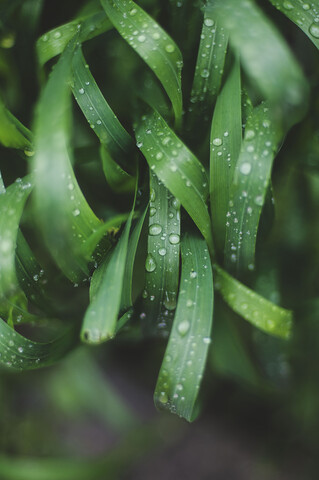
[64, 215]
[162, 261]
[185, 356]
[263, 52]
[178, 169]
[225, 142]
[152, 43]
[17, 352]
[254, 308]
[304, 15]
[249, 187]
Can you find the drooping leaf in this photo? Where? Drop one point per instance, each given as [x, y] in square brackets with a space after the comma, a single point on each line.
[185, 356]
[11, 207]
[178, 169]
[305, 15]
[99, 114]
[65, 217]
[17, 352]
[101, 316]
[55, 41]
[254, 308]
[152, 43]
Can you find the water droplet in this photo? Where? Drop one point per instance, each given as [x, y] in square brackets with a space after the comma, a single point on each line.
[81, 91]
[163, 398]
[183, 327]
[11, 343]
[174, 238]
[76, 212]
[152, 211]
[249, 134]
[207, 340]
[204, 73]
[156, 35]
[150, 263]
[169, 48]
[189, 303]
[159, 156]
[259, 200]
[133, 12]
[314, 30]
[306, 6]
[141, 38]
[162, 252]
[155, 229]
[57, 35]
[209, 22]
[217, 142]
[20, 349]
[193, 274]
[245, 168]
[288, 6]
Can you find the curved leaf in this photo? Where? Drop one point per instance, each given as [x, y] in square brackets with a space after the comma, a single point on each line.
[64, 215]
[19, 353]
[178, 169]
[152, 43]
[305, 15]
[263, 52]
[254, 308]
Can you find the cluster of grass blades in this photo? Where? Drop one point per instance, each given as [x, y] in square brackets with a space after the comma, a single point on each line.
[145, 181]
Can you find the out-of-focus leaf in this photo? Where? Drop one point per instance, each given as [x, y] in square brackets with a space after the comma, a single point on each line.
[65, 217]
[17, 352]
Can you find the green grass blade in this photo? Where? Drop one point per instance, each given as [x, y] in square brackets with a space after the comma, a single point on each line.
[185, 356]
[209, 69]
[178, 169]
[63, 213]
[98, 112]
[101, 316]
[249, 188]
[162, 261]
[31, 276]
[118, 179]
[19, 353]
[254, 308]
[263, 52]
[11, 207]
[127, 300]
[304, 15]
[153, 45]
[225, 142]
[54, 42]
[12, 133]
